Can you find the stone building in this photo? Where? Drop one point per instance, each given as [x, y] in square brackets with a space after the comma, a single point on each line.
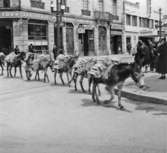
[23, 22]
[92, 27]
[140, 21]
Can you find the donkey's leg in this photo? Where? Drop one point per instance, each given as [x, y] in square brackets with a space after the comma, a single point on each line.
[110, 89]
[75, 81]
[7, 69]
[61, 77]
[10, 71]
[81, 83]
[21, 71]
[94, 92]
[38, 75]
[15, 69]
[120, 86]
[90, 79]
[2, 69]
[72, 79]
[46, 78]
[68, 79]
[55, 74]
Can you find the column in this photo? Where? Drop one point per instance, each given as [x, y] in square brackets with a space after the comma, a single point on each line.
[96, 40]
[108, 40]
[50, 36]
[64, 39]
[76, 43]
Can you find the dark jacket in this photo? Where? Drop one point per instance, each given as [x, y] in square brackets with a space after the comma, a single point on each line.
[162, 60]
[55, 52]
[31, 49]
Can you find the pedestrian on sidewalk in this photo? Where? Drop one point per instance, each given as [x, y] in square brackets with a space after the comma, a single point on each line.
[55, 52]
[31, 48]
[129, 47]
[17, 50]
[162, 60]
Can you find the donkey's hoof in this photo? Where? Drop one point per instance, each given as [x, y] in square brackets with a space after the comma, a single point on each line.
[121, 107]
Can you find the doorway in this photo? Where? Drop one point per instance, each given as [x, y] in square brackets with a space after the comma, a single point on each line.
[6, 40]
[87, 42]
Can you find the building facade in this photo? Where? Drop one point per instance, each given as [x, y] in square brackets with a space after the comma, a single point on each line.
[141, 21]
[91, 27]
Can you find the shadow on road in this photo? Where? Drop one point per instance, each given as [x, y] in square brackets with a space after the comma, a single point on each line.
[155, 109]
[90, 103]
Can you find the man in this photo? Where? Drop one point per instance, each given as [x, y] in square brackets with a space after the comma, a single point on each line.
[129, 47]
[16, 50]
[55, 53]
[162, 61]
[31, 48]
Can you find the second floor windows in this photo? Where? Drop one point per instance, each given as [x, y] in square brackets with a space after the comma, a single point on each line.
[4, 3]
[114, 7]
[85, 4]
[101, 5]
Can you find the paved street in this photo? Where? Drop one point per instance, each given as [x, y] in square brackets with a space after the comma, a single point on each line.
[37, 117]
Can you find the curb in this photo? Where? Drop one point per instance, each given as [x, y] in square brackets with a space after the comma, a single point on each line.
[142, 98]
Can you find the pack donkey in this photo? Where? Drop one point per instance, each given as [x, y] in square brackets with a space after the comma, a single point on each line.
[115, 76]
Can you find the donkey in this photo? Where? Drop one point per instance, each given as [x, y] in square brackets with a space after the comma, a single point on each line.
[42, 63]
[13, 60]
[64, 66]
[81, 68]
[115, 76]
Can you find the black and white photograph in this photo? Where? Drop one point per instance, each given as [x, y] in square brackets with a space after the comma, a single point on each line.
[83, 76]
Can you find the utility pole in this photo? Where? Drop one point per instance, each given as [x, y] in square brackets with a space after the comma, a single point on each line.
[160, 23]
[58, 16]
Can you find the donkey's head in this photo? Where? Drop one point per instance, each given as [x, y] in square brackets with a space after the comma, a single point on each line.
[137, 75]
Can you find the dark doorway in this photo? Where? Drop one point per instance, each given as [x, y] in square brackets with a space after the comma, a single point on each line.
[87, 41]
[5, 36]
[116, 44]
[60, 36]
[145, 39]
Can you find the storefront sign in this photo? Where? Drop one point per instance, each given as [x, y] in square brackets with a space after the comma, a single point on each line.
[29, 15]
[146, 32]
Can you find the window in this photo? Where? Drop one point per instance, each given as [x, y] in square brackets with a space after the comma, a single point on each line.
[128, 19]
[85, 4]
[134, 20]
[37, 4]
[151, 23]
[6, 3]
[101, 5]
[114, 7]
[37, 30]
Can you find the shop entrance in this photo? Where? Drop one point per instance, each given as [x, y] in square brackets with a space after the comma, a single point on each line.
[116, 44]
[87, 42]
[6, 36]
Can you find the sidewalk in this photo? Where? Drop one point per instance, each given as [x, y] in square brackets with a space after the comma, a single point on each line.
[154, 92]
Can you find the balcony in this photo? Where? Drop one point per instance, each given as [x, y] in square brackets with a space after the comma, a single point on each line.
[37, 4]
[85, 12]
[103, 16]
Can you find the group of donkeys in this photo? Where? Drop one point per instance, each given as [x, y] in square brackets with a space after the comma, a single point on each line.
[98, 70]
